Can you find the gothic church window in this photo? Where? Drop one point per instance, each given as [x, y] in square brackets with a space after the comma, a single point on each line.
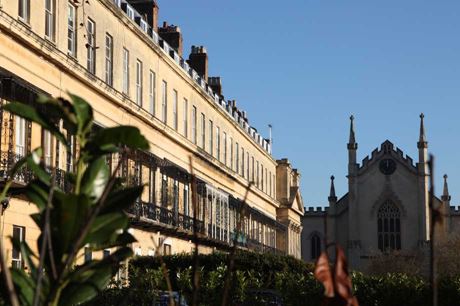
[389, 227]
[315, 246]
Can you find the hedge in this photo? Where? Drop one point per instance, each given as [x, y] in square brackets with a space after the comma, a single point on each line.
[292, 279]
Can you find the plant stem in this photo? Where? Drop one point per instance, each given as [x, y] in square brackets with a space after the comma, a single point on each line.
[13, 298]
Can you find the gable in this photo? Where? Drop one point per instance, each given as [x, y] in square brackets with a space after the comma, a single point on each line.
[387, 151]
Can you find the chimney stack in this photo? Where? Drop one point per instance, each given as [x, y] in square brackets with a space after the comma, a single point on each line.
[172, 35]
[149, 11]
[216, 85]
[198, 60]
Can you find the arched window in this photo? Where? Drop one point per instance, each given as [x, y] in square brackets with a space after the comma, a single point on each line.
[315, 246]
[389, 227]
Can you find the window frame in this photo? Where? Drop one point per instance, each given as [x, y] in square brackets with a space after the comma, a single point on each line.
[16, 257]
[20, 136]
[164, 101]
[194, 123]
[109, 59]
[203, 131]
[91, 46]
[139, 82]
[315, 246]
[152, 92]
[185, 117]
[50, 13]
[125, 77]
[175, 110]
[389, 227]
[211, 137]
[71, 30]
[24, 10]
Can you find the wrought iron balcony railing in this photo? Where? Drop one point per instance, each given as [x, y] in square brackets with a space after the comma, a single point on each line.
[165, 216]
[25, 175]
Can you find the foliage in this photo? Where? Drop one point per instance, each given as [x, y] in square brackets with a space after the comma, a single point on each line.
[90, 214]
[292, 279]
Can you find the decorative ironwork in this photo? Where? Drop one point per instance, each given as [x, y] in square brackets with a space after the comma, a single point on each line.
[165, 216]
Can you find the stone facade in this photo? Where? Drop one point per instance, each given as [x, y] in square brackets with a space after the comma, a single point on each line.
[386, 206]
[115, 57]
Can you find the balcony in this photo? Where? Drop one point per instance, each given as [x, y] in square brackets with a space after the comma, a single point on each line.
[146, 214]
[25, 175]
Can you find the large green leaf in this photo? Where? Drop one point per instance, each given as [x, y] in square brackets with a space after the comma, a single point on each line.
[25, 286]
[84, 114]
[108, 138]
[115, 240]
[69, 215]
[33, 161]
[27, 254]
[59, 109]
[90, 279]
[122, 199]
[95, 178]
[37, 193]
[30, 113]
[105, 228]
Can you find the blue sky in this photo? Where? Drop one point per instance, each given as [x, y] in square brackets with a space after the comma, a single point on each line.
[305, 66]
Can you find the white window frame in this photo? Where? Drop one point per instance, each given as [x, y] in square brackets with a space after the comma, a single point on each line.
[211, 137]
[194, 122]
[175, 113]
[139, 82]
[20, 139]
[247, 165]
[152, 92]
[243, 172]
[109, 59]
[49, 19]
[91, 46]
[71, 30]
[185, 117]
[164, 102]
[47, 148]
[203, 131]
[125, 84]
[237, 157]
[17, 261]
[24, 10]
[218, 143]
[130, 12]
[231, 152]
[224, 144]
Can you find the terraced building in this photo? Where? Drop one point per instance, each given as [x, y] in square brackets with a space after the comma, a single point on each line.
[113, 54]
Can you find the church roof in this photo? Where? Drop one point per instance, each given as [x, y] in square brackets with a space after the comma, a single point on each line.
[387, 148]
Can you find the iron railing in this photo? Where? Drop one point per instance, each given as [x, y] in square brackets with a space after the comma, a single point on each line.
[165, 216]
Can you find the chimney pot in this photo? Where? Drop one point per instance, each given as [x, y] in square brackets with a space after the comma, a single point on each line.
[172, 35]
[198, 60]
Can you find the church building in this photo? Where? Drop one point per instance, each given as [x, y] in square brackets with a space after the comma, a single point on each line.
[386, 207]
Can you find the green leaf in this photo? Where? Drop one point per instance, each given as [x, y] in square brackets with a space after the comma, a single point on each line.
[26, 252]
[106, 139]
[84, 114]
[69, 215]
[59, 109]
[25, 286]
[37, 193]
[90, 279]
[115, 240]
[122, 199]
[30, 113]
[105, 228]
[95, 178]
[33, 161]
